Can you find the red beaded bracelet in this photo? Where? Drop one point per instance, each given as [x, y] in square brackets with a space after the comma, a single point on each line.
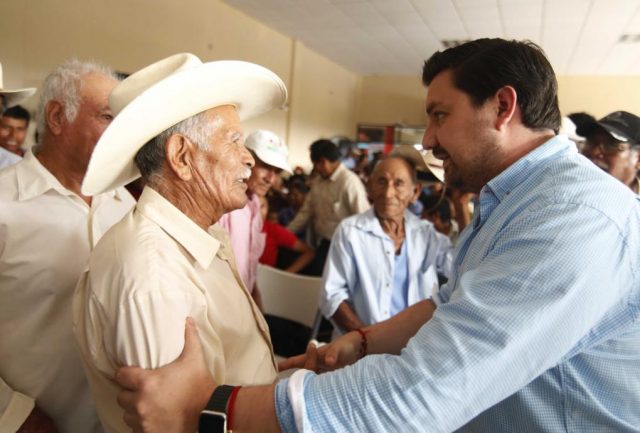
[363, 342]
[231, 406]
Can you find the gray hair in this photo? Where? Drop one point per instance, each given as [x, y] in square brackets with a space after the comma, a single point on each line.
[63, 85]
[198, 129]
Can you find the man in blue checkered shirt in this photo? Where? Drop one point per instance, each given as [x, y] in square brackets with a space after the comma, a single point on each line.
[538, 328]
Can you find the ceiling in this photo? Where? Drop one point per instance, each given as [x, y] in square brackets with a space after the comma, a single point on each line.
[586, 37]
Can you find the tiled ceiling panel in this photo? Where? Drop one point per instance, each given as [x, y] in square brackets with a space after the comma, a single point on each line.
[395, 36]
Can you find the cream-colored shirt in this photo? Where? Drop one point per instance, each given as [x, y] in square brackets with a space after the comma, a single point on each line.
[150, 272]
[330, 201]
[46, 233]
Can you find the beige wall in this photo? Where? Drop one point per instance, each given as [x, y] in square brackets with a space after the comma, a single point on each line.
[400, 99]
[599, 96]
[323, 102]
[388, 99]
[36, 35]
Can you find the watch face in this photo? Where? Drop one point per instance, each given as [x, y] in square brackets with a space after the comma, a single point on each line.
[212, 422]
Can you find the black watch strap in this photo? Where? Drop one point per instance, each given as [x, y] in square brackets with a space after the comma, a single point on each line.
[219, 398]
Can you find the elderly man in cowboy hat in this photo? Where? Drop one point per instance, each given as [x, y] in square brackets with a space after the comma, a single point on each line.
[179, 126]
[10, 98]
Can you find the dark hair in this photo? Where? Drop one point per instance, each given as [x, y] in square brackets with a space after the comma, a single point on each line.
[436, 205]
[481, 67]
[17, 112]
[324, 149]
[585, 123]
[298, 185]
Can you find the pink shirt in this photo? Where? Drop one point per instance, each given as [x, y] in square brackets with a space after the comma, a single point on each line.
[247, 240]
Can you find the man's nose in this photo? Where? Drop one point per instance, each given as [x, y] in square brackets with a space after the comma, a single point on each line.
[247, 158]
[271, 175]
[428, 139]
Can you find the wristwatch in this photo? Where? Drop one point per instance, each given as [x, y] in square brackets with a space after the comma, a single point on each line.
[213, 419]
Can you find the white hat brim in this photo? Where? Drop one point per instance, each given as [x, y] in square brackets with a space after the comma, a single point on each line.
[274, 161]
[424, 160]
[251, 88]
[14, 97]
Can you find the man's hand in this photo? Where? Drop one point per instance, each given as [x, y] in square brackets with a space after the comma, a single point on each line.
[37, 422]
[168, 399]
[337, 354]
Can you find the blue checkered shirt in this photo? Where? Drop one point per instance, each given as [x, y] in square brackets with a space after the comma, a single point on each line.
[538, 329]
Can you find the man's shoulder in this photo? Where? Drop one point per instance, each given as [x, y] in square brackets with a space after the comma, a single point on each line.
[361, 221]
[8, 184]
[7, 159]
[572, 180]
[347, 176]
[129, 244]
[132, 257]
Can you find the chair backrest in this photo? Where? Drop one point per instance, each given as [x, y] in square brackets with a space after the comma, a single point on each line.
[289, 296]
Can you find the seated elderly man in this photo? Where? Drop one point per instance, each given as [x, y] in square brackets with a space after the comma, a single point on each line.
[384, 259]
[167, 260]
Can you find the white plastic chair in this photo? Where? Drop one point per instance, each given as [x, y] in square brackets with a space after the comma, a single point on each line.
[289, 296]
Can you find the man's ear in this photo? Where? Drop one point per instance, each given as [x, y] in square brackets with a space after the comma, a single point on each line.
[54, 117]
[417, 189]
[179, 152]
[507, 103]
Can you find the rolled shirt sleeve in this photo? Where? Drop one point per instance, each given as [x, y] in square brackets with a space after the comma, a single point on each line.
[15, 407]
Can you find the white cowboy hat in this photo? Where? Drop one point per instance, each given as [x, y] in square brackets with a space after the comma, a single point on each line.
[423, 159]
[13, 97]
[163, 94]
[269, 148]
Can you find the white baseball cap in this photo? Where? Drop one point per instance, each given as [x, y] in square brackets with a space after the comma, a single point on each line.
[269, 148]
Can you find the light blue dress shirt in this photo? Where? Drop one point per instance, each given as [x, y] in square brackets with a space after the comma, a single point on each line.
[399, 296]
[538, 329]
[360, 265]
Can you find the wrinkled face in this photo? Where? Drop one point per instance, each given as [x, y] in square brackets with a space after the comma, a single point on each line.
[614, 157]
[221, 171]
[392, 188]
[460, 134]
[263, 176]
[94, 115]
[12, 133]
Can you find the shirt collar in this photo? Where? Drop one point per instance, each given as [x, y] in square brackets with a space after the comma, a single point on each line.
[370, 223]
[519, 171]
[337, 172]
[201, 245]
[501, 186]
[34, 180]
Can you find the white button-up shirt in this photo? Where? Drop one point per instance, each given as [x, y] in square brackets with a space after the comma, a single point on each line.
[361, 261]
[150, 272]
[46, 233]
